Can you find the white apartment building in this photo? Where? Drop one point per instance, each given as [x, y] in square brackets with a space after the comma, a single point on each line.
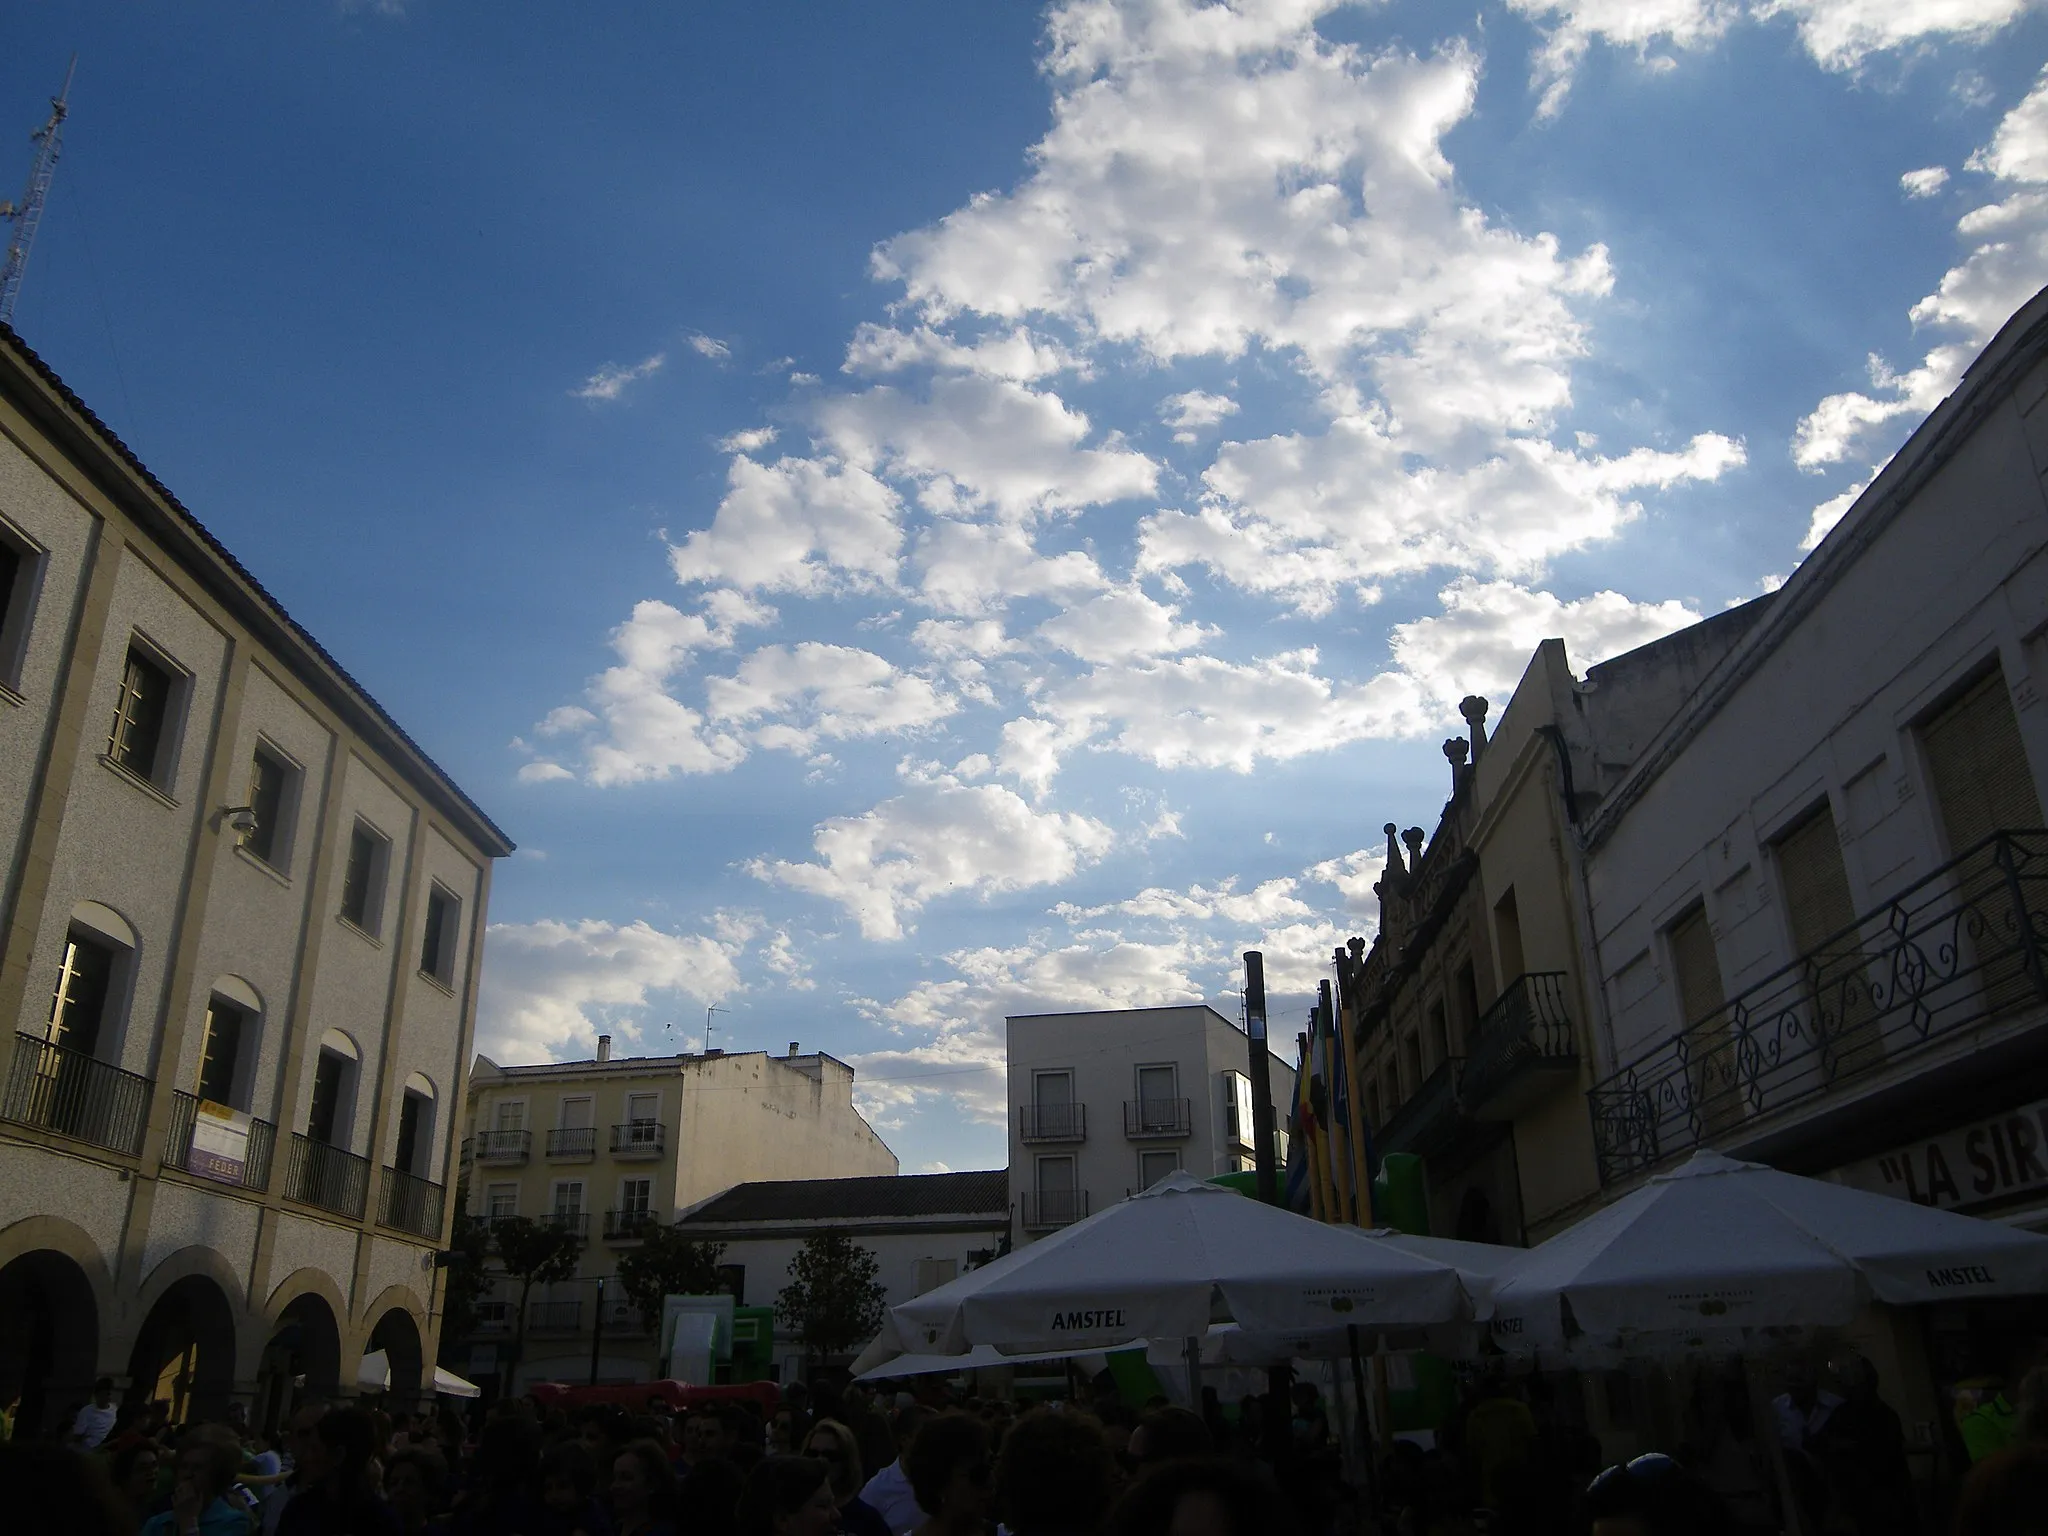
[239, 937]
[1107, 1103]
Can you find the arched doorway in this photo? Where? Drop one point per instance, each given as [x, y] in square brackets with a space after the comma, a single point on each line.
[184, 1354]
[50, 1341]
[302, 1361]
[398, 1336]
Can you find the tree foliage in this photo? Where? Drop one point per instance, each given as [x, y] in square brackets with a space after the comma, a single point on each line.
[533, 1253]
[465, 1280]
[833, 1301]
[668, 1263]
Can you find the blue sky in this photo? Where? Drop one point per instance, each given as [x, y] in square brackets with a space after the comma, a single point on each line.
[911, 513]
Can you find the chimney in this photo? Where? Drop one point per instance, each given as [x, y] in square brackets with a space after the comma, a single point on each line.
[1473, 708]
[604, 1047]
[793, 1050]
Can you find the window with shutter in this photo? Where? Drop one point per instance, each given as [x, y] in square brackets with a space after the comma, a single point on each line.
[1819, 911]
[1711, 1058]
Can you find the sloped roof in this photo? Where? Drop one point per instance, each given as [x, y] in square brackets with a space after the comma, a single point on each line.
[983, 1192]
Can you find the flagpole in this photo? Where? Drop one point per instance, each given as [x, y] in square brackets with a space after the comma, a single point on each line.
[1349, 970]
[1340, 1134]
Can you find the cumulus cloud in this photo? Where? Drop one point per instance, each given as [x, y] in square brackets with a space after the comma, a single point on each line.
[1189, 413]
[1924, 182]
[611, 381]
[1832, 511]
[551, 987]
[1119, 624]
[752, 440]
[708, 346]
[797, 525]
[1268, 902]
[810, 691]
[886, 864]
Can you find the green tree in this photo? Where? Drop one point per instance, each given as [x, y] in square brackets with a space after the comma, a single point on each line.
[668, 1263]
[532, 1253]
[464, 1280]
[833, 1302]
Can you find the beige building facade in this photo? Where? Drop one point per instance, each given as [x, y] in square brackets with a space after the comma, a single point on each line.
[609, 1146]
[242, 926]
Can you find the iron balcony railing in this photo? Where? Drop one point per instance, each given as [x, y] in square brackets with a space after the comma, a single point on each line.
[1157, 1117]
[569, 1221]
[1527, 1026]
[76, 1095]
[1045, 1209]
[333, 1179]
[580, 1141]
[178, 1147]
[626, 1226]
[503, 1146]
[410, 1203]
[554, 1316]
[494, 1317]
[1052, 1122]
[621, 1316]
[1431, 1118]
[1962, 945]
[639, 1138]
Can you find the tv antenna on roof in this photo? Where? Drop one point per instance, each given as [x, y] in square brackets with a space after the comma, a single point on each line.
[714, 1008]
[28, 213]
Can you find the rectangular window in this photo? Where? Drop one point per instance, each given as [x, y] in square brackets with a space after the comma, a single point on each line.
[636, 1196]
[437, 946]
[512, 1115]
[1411, 1063]
[501, 1200]
[642, 1108]
[221, 1052]
[329, 1074]
[1439, 1033]
[569, 1198]
[933, 1273]
[1982, 780]
[85, 982]
[362, 884]
[1154, 1166]
[1696, 969]
[577, 1114]
[141, 713]
[1055, 1176]
[1507, 937]
[269, 798]
[411, 1116]
[21, 567]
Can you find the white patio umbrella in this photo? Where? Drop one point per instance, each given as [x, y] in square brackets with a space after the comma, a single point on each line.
[1717, 1250]
[1156, 1265]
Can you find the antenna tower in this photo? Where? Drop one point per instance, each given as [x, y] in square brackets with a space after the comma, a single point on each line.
[28, 213]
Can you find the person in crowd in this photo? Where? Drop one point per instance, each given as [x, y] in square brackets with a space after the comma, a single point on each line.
[708, 1492]
[416, 1487]
[300, 1441]
[949, 1472]
[1055, 1475]
[134, 1470]
[782, 1432]
[888, 1491]
[58, 1489]
[1251, 1425]
[870, 1426]
[832, 1443]
[1203, 1497]
[1994, 1422]
[1862, 1454]
[1500, 1439]
[1310, 1422]
[1169, 1434]
[2031, 1404]
[203, 1472]
[502, 1499]
[95, 1421]
[1653, 1496]
[643, 1492]
[568, 1492]
[336, 1496]
[2006, 1494]
[789, 1496]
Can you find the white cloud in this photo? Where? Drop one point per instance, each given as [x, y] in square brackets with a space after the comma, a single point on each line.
[1832, 511]
[1354, 875]
[1571, 26]
[550, 987]
[938, 840]
[752, 440]
[979, 568]
[1924, 182]
[1189, 413]
[612, 380]
[542, 771]
[1268, 902]
[812, 691]
[2006, 265]
[1841, 34]
[1120, 624]
[709, 346]
[1013, 353]
[797, 525]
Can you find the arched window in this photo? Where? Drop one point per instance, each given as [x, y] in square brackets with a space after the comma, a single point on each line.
[415, 1151]
[88, 1004]
[335, 1073]
[227, 1051]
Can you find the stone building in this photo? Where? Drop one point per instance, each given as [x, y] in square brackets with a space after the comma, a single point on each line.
[241, 922]
[608, 1146]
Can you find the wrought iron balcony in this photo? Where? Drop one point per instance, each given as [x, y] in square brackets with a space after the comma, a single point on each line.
[569, 1221]
[621, 1316]
[255, 1169]
[76, 1095]
[639, 1138]
[626, 1226]
[1521, 1048]
[410, 1203]
[329, 1177]
[1052, 1122]
[1157, 1117]
[1961, 946]
[554, 1316]
[1431, 1118]
[494, 1317]
[1045, 1209]
[577, 1141]
[503, 1146]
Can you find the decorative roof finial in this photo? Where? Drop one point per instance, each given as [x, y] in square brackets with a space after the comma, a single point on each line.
[1473, 708]
[1394, 865]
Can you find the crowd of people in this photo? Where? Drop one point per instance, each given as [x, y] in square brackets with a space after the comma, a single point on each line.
[831, 1459]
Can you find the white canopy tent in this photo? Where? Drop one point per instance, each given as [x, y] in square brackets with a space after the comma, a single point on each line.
[1161, 1264]
[373, 1374]
[1720, 1255]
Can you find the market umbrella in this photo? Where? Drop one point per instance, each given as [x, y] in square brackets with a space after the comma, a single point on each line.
[1718, 1250]
[1168, 1261]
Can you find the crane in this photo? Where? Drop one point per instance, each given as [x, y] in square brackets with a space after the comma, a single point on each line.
[28, 213]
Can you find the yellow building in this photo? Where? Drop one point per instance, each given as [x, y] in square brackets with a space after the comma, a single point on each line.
[607, 1146]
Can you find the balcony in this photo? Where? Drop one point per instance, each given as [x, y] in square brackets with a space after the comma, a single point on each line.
[252, 1173]
[332, 1179]
[554, 1317]
[575, 1142]
[493, 1317]
[626, 1226]
[1052, 1122]
[1521, 1049]
[621, 1316]
[503, 1147]
[1431, 1118]
[1047, 1209]
[639, 1138]
[1963, 946]
[76, 1095]
[569, 1221]
[1147, 1118]
[410, 1204]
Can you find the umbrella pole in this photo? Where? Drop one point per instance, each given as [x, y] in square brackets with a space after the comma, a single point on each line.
[1763, 1418]
[1369, 1453]
[1191, 1352]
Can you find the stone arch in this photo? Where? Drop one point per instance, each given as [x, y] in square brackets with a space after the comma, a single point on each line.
[307, 1342]
[55, 1294]
[196, 1260]
[398, 1329]
[105, 921]
[238, 991]
[184, 1351]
